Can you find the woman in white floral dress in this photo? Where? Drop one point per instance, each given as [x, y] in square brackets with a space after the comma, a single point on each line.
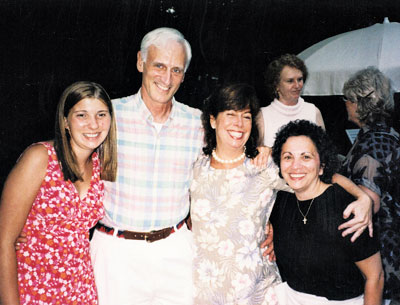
[231, 202]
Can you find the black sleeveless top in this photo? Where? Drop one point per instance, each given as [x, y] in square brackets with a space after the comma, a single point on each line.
[314, 258]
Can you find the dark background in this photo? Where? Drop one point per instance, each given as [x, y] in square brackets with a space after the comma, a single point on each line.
[48, 44]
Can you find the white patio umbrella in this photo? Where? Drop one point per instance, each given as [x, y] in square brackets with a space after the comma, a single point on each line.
[332, 61]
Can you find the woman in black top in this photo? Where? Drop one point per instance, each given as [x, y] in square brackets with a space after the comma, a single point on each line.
[317, 264]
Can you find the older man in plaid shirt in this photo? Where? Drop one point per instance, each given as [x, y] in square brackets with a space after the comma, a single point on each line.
[141, 250]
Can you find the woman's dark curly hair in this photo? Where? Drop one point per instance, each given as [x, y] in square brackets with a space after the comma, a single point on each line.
[326, 150]
[273, 73]
[238, 96]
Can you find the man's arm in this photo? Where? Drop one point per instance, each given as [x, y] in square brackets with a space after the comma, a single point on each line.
[361, 208]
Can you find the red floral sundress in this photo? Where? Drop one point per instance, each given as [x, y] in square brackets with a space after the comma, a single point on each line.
[54, 266]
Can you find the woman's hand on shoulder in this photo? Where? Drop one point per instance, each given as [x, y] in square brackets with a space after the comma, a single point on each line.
[261, 159]
[362, 211]
[268, 244]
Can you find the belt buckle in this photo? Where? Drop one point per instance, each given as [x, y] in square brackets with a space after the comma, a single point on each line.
[146, 236]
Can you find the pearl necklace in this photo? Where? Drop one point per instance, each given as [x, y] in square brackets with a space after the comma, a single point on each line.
[218, 159]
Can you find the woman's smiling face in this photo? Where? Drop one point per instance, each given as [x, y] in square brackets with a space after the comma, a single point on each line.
[300, 164]
[232, 128]
[88, 124]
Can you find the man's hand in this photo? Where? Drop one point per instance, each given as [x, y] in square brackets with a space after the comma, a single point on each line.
[362, 210]
[262, 158]
[268, 243]
[20, 240]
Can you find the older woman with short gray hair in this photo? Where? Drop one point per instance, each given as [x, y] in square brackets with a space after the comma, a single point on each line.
[374, 164]
[370, 91]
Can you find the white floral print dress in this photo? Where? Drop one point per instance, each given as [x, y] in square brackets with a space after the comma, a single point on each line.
[229, 211]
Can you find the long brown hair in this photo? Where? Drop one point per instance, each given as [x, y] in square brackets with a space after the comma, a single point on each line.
[107, 150]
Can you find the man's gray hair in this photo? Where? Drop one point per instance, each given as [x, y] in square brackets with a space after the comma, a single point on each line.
[159, 37]
[372, 92]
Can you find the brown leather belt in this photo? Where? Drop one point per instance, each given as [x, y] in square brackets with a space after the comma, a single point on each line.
[147, 236]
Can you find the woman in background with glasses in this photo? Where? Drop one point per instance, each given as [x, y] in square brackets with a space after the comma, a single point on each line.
[374, 164]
